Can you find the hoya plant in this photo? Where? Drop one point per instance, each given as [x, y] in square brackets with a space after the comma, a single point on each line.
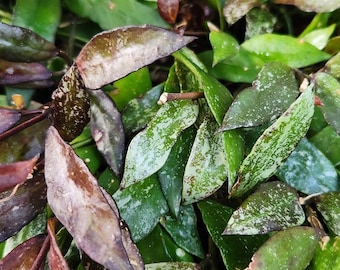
[169, 134]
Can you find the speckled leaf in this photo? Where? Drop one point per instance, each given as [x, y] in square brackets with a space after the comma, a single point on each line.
[206, 169]
[273, 206]
[8, 118]
[172, 266]
[224, 46]
[329, 206]
[71, 105]
[150, 148]
[236, 250]
[107, 130]
[284, 49]
[91, 217]
[113, 54]
[333, 66]
[259, 21]
[308, 170]
[328, 91]
[327, 255]
[270, 95]
[236, 9]
[275, 144]
[292, 248]
[141, 205]
[312, 5]
[183, 230]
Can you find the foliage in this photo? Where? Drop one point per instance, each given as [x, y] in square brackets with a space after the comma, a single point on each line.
[187, 143]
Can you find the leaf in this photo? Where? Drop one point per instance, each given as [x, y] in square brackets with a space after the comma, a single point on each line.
[22, 45]
[206, 169]
[311, 5]
[328, 90]
[92, 218]
[168, 9]
[308, 170]
[113, 54]
[273, 206]
[329, 206]
[19, 208]
[107, 130]
[183, 230]
[320, 37]
[150, 148]
[289, 249]
[333, 66]
[173, 266]
[235, 9]
[116, 13]
[23, 256]
[236, 250]
[148, 204]
[275, 144]
[71, 105]
[270, 95]
[8, 118]
[327, 255]
[287, 50]
[259, 21]
[91, 156]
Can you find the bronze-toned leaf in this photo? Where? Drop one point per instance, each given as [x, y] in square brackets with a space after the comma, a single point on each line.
[83, 208]
[8, 118]
[71, 105]
[113, 54]
[168, 9]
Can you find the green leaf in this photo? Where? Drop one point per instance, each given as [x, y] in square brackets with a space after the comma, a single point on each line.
[275, 144]
[113, 54]
[292, 248]
[91, 157]
[320, 20]
[109, 181]
[319, 38]
[259, 21]
[327, 255]
[148, 204]
[329, 206]
[206, 169]
[308, 170]
[270, 95]
[150, 148]
[116, 13]
[236, 250]
[327, 89]
[333, 66]
[183, 230]
[285, 49]
[273, 206]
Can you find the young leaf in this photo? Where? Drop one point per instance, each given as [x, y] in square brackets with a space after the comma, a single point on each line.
[273, 206]
[113, 54]
[91, 217]
[270, 95]
[329, 206]
[275, 144]
[320, 37]
[107, 130]
[289, 249]
[150, 148]
[308, 170]
[284, 49]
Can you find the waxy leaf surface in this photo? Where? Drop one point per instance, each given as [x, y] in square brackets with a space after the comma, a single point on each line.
[113, 54]
[270, 95]
[86, 211]
[275, 144]
[329, 206]
[107, 130]
[308, 170]
[273, 206]
[292, 248]
[150, 148]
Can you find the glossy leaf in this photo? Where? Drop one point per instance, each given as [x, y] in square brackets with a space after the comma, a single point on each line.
[109, 181]
[273, 206]
[183, 230]
[236, 9]
[168, 9]
[327, 89]
[92, 218]
[150, 148]
[284, 49]
[329, 206]
[71, 105]
[148, 204]
[289, 249]
[327, 255]
[206, 169]
[236, 250]
[319, 37]
[91, 156]
[22, 206]
[311, 5]
[112, 55]
[173, 266]
[8, 118]
[22, 45]
[23, 256]
[308, 170]
[270, 95]
[275, 144]
[107, 130]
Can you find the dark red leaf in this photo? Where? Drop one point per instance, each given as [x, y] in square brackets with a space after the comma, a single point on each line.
[168, 9]
[8, 118]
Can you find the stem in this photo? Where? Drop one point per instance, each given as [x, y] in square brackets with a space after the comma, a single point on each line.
[42, 254]
[165, 97]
